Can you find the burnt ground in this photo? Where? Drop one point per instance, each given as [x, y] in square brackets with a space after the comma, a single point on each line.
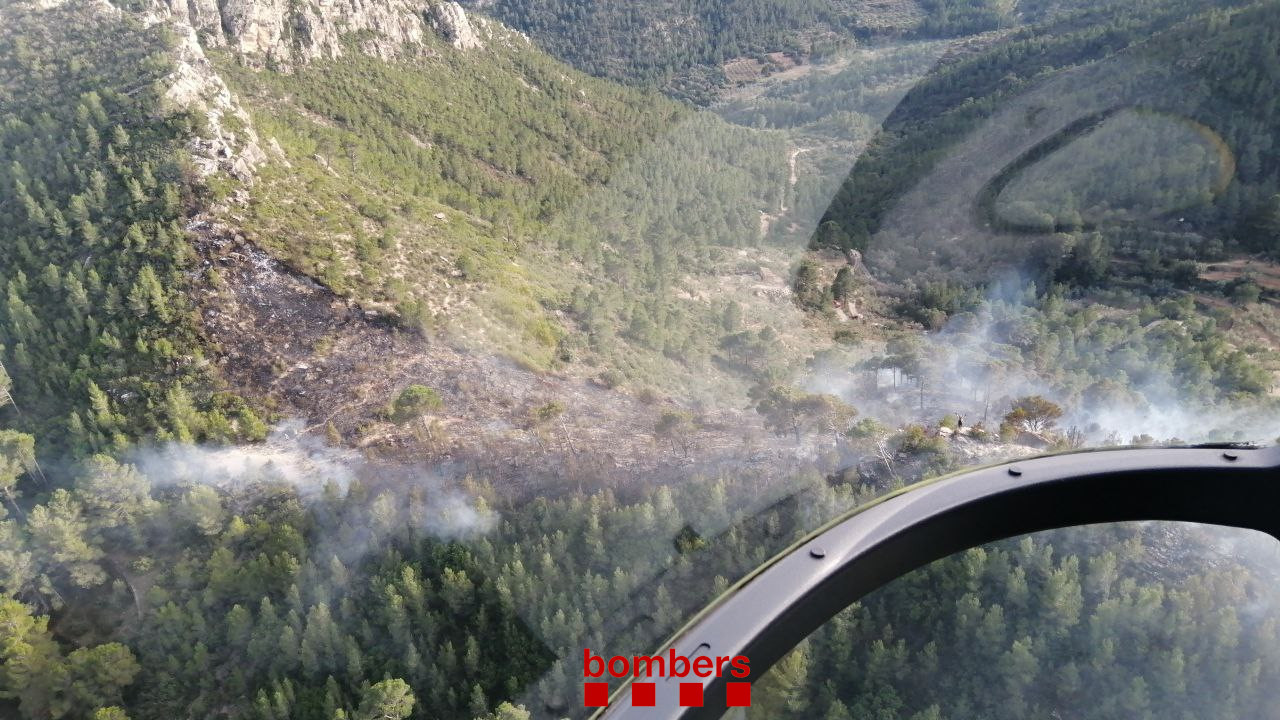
[311, 354]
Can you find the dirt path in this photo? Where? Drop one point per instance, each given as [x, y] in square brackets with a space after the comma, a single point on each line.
[768, 219]
[792, 178]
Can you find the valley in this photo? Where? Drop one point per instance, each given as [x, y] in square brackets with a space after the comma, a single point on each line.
[369, 360]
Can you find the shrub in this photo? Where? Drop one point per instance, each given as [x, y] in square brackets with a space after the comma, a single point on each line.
[1246, 292]
[845, 336]
[545, 413]
[413, 402]
[867, 428]
[916, 440]
[611, 378]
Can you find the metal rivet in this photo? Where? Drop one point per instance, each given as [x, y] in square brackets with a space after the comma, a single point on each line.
[1230, 456]
[817, 553]
[1015, 471]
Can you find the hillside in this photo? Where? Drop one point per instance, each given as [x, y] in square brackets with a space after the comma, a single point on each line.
[1098, 187]
[989, 96]
[406, 212]
[412, 210]
[368, 359]
[680, 45]
[693, 49]
[100, 336]
[567, 223]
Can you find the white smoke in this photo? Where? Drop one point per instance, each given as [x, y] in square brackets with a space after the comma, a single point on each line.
[401, 496]
[1169, 420]
[957, 360]
[288, 455]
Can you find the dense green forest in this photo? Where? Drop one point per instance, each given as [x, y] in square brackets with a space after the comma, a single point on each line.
[676, 44]
[1030, 627]
[253, 602]
[953, 18]
[257, 603]
[95, 327]
[682, 45]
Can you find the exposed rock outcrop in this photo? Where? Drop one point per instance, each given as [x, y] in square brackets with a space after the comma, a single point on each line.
[194, 85]
[203, 16]
[451, 22]
[284, 32]
[280, 33]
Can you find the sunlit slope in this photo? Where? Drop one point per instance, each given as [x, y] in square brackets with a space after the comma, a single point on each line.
[485, 195]
[406, 184]
[677, 44]
[695, 48]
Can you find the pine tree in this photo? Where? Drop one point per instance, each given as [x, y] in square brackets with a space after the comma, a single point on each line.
[387, 700]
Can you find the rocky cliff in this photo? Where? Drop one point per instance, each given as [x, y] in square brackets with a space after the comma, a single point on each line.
[276, 33]
[284, 32]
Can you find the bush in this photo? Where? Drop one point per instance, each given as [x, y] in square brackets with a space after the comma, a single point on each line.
[867, 428]
[415, 316]
[413, 402]
[845, 336]
[916, 440]
[648, 396]
[1246, 292]
[611, 378]
[1033, 414]
[545, 413]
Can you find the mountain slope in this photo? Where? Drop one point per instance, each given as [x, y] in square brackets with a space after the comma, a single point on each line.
[676, 44]
[429, 187]
[494, 198]
[1097, 165]
[98, 331]
[504, 318]
[968, 96]
[410, 185]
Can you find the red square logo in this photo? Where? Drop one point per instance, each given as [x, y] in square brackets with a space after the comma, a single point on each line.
[643, 694]
[595, 694]
[737, 694]
[690, 694]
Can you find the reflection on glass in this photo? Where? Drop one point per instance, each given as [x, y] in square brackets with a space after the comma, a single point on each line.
[1122, 168]
[1131, 620]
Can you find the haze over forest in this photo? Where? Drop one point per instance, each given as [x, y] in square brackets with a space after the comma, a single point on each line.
[370, 359]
